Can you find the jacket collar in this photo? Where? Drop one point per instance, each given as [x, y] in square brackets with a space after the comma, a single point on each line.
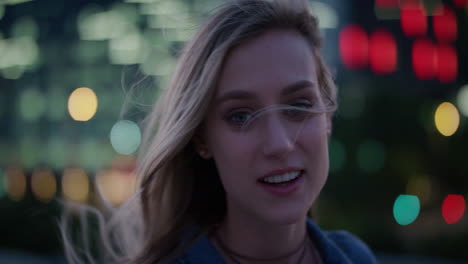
[203, 251]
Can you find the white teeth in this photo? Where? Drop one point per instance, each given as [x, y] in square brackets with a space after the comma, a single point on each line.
[282, 178]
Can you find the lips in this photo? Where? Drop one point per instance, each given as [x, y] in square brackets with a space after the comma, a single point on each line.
[279, 172]
[283, 189]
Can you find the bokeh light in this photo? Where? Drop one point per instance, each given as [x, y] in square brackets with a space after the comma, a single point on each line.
[43, 184]
[115, 186]
[424, 59]
[96, 24]
[57, 153]
[15, 183]
[158, 62]
[406, 209]
[18, 55]
[82, 104]
[446, 119]
[125, 137]
[32, 104]
[25, 27]
[29, 151]
[413, 19]
[461, 3]
[387, 3]
[337, 155]
[353, 42]
[462, 100]
[371, 156]
[447, 63]
[382, 52]
[453, 208]
[445, 24]
[90, 154]
[325, 14]
[127, 49]
[75, 185]
[163, 8]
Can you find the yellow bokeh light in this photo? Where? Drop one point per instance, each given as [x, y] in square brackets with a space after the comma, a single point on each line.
[447, 119]
[82, 104]
[75, 185]
[43, 184]
[15, 182]
[116, 186]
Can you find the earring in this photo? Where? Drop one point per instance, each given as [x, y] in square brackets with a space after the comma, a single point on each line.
[203, 153]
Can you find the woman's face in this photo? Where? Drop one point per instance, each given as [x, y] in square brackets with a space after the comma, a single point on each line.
[277, 67]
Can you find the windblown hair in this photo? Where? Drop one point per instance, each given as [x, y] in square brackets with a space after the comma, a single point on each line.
[177, 189]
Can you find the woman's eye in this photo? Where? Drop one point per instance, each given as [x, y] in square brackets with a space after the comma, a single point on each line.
[302, 104]
[297, 113]
[239, 118]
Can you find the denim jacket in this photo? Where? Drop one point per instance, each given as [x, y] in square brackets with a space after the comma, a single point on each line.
[335, 247]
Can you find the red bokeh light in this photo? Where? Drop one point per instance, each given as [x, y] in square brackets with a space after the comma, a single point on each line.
[453, 208]
[424, 59]
[413, 19]
[461, 3]
[447, 63]
[445, 24]
[382, 52]
[353, 46]
[387, 3]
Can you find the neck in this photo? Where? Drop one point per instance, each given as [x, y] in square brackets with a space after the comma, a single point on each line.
[260, 239]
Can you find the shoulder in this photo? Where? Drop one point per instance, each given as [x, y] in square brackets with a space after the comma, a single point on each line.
[340, 246]
[354, 248]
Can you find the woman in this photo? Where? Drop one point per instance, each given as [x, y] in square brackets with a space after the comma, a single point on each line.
[236, 148]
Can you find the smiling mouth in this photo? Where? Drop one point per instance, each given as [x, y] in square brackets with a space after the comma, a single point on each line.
[283, 179]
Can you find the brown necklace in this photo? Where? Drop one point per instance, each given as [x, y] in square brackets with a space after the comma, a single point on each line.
[235, 257]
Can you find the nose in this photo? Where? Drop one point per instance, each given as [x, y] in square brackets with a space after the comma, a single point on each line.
[276, 140]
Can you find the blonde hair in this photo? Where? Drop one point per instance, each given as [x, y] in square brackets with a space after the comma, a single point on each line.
[172, 197]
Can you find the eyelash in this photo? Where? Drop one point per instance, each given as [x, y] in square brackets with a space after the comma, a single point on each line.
[229, 117]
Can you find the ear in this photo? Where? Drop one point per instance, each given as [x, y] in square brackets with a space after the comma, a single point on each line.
[200, 146]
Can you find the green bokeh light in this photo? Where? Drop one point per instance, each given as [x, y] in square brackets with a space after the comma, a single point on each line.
[337, 155]
[12, 72]
[31, 104]
[2, 11]
[125, 137]
[90, 156]
[57, 153]
[371, 156]
[30, 151]
[57, 106]
[326, 14]
[406, 209]
[25, 27]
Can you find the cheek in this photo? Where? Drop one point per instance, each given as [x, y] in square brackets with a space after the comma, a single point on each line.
[315, 146]
[231, 155]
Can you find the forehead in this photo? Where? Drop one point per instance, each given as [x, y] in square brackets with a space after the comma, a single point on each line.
[273, 60]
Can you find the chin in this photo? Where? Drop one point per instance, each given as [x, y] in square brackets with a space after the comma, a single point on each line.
[287, 216]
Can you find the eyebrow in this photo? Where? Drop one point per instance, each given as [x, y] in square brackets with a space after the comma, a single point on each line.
[244, 95]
